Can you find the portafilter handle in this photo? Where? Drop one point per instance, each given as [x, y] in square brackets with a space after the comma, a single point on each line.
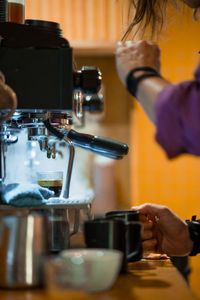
[96, 144]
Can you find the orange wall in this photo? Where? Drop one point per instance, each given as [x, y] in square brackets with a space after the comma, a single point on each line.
[155, 178]
[174, 183]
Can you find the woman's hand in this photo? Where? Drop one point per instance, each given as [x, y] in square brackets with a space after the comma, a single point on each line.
[139, 54]
[149, 242]
[142, 54]
[164, 231]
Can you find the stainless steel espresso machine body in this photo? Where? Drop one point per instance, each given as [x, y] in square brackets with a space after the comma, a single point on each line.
[52, 97]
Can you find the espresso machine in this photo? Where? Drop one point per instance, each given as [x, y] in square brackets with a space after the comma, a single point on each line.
[37, 62]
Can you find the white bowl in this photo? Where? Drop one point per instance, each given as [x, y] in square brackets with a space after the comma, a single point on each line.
[92, 270]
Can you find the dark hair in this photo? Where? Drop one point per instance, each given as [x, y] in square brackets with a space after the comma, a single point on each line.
[147, 13]
[150, 14]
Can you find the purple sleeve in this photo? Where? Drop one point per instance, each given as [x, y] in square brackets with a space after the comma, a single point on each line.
[178, 118]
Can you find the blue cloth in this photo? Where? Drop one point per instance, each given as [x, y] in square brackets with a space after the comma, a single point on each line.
[23, 195]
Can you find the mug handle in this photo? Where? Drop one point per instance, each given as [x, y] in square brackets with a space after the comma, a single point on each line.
[133, 232]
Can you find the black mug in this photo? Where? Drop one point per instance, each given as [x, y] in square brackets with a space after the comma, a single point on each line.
[113, 234]
[126, 215]
[135, 235]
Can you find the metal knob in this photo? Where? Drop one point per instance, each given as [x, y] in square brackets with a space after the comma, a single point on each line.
[88, 79]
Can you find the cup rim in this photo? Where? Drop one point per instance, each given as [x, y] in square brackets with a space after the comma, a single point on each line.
[85, 252]
[50, 172]
[103, 221]
[121, 212]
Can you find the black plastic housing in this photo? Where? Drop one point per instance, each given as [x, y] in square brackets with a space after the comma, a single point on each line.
[37, 64]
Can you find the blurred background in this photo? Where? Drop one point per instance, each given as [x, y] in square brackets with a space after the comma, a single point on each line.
[93, 27]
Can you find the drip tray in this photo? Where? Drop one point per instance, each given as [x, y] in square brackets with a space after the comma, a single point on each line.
[48, 205]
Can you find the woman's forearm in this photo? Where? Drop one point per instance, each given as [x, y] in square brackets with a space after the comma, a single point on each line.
[147, 94]
[141, 54]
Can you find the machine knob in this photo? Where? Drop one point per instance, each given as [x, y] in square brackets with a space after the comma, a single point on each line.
[93, 103]
[88, 79]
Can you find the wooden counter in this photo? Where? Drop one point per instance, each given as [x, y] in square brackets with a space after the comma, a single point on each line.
[146, 280]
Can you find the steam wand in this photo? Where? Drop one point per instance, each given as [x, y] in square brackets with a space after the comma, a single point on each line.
[66, 185]
[61, 136]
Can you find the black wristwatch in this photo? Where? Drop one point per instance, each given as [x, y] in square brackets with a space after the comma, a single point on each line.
[132, 81]
[194, 230]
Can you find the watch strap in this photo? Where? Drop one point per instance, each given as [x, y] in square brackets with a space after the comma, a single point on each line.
[194, 230]
[133, 81]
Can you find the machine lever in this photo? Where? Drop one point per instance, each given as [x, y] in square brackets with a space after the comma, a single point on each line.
[97, 144]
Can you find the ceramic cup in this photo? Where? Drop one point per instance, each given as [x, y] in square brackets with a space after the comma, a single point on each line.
[129, 216]
[114, 234]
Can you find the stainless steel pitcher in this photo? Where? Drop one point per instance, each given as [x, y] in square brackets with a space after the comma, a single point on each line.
[23, 246]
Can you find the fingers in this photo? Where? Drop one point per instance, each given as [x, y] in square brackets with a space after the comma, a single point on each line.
[147, 235]
[146, 221]
[149, 245]
[152, 209]
[138, 54]
[147, 225]
[123, 48]
[139, 44]
[143, 218]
